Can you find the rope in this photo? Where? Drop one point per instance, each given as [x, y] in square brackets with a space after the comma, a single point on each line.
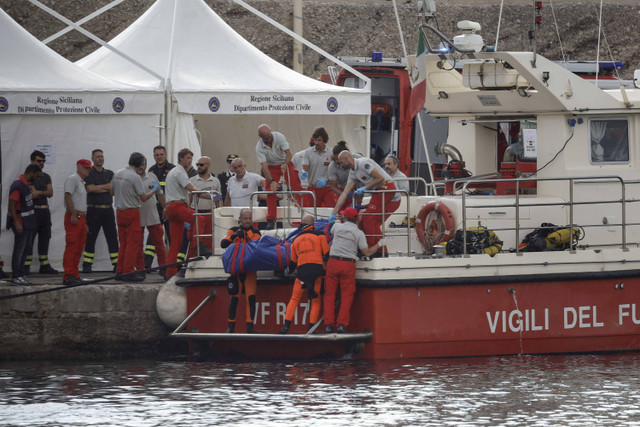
[555, 23]
[100, 280]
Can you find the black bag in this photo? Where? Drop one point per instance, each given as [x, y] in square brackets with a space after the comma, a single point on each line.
[479, 241]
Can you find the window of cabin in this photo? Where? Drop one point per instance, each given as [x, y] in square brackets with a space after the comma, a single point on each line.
[609, 140]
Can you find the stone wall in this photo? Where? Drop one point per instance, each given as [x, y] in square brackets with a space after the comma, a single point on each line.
[94, 321]
[357, 28]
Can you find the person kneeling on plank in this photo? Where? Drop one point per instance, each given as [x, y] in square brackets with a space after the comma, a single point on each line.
[307, 251]
[244, 282]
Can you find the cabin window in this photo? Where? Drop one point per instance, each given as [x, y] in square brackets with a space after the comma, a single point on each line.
[609, 140]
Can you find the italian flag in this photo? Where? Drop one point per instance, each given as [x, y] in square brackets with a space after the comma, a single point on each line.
[418, 84]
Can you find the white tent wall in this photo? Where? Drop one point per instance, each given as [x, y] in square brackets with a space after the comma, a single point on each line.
[238, 134]
[71, 138]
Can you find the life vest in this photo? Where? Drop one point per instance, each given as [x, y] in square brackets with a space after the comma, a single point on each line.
[26, 211]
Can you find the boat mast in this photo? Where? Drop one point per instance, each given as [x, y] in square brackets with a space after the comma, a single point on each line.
[537, 20]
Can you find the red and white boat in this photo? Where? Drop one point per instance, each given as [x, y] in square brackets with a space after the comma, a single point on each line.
[545, 147]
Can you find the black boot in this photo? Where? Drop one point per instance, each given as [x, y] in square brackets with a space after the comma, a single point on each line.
[86, 268]
[204, 250]
[148, 261]
[250, 329]
[285, 328]
[232, 328]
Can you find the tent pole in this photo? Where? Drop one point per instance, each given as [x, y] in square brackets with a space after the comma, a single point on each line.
[297, 45]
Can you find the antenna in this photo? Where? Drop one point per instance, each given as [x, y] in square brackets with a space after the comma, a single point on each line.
[537, 20]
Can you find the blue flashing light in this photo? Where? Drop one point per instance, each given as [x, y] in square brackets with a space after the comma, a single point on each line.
[376, 56]
[490, 49]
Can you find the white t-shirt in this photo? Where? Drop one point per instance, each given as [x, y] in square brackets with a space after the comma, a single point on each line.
[240, 190]
[274, 155]
[318, 163]
[74, 185]
[212, 183]
[148, 210]
[362, 170]
[347, 239]
[401, 185]
[127, 188]
[177, 180]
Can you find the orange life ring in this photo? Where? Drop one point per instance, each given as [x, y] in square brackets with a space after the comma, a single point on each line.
[434, 224]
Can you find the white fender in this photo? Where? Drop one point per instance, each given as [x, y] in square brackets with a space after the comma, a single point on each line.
[171, 303]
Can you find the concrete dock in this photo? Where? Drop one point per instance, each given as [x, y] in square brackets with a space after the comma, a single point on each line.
[111, 319]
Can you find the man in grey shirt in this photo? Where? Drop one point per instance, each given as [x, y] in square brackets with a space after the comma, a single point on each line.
[128, 193]
[341, 268]
[391, 166]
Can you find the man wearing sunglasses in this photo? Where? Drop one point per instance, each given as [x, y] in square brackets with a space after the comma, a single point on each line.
[204, 180]
[41, 190]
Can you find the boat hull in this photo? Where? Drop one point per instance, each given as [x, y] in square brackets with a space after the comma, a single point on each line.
[416, 319]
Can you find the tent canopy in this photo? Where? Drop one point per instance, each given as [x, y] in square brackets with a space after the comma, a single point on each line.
[51, 104]
[212, 69]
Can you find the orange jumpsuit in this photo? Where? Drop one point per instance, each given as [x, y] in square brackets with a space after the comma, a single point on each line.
[246, 281]
[307, 251]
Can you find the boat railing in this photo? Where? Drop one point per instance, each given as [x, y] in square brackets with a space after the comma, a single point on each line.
[215, 199]
[288, 207]
[383, 214]
[417, 180]
[518, 203]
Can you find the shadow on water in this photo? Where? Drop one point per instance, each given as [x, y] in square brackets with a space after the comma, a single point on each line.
[567, 390]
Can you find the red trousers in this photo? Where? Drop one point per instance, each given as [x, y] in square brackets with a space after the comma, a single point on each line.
[325, 198]
[342, 274]
[75, 236]
[296, 295]
[156, 232]
[178, 213]
[371, 225]
[291, 178]
[130, 237]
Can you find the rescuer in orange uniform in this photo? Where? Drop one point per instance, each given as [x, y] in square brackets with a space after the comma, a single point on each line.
[307, 251]
[245, 282]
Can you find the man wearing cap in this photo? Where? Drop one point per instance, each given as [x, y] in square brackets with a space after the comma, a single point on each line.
[391, 166]
[75, 203]
[341, 268]
[316, 164]
[242, 185]
[99, 211]
[307, 252]
[22, 221]
[368, 175]
[274, 155]
[223, 177]
[178, 211]
[41, 190]
[205, 181]
[129, 193]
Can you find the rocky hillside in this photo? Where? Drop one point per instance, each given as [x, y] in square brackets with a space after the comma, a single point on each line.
[356, 28]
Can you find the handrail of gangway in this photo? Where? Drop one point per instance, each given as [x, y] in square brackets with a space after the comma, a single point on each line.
[212, 198]
[292, 192]
[383, 213]
[571, 203]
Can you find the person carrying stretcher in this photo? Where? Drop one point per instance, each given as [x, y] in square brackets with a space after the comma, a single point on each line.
[243, 282]
[307, 251]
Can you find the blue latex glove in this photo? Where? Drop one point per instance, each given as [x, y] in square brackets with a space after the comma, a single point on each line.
[187, 225]
[350, 196]
[360, 191]
[332, 218]
[321, 183]
[304, 175]
[154, 186]
[358, 207]
[217, 197]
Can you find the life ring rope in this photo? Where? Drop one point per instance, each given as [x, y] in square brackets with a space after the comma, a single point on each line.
[434, 224]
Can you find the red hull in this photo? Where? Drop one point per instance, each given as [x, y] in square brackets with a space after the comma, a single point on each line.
[460, 320]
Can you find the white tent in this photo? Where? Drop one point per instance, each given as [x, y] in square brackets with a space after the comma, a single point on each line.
[227, 87]
[51, 104]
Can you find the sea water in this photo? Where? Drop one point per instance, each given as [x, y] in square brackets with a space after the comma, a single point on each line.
[519, 390]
